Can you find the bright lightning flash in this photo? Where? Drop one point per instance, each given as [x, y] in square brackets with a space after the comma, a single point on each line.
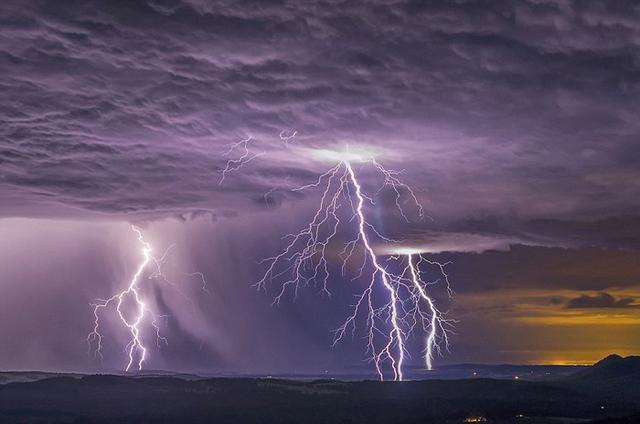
[134, 322]
[407, 307]
[433, 323]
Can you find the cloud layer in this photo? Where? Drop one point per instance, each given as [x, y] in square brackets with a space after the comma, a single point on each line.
[515, 122]
[524, 108]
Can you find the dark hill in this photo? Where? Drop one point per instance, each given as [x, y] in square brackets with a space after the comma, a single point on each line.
[614, 377]
[120, 399]
[613, 367]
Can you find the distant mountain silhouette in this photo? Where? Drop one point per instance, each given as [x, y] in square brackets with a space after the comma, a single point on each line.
[614, 377]
[611, 368]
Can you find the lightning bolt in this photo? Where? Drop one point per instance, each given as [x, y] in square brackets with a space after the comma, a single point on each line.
[135, 347]
[200, 276]
[288, 136]
[395, 334]
[408, 306]
[135, 319]
[438, 326]
[245, 157]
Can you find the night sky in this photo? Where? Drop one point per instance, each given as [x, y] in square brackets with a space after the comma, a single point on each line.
[516, 123]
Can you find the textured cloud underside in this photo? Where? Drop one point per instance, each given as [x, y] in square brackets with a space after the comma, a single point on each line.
[127, 107]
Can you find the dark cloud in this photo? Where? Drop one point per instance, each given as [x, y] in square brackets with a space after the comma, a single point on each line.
[617, 232]
[545, 268]
[515, 121]
[600, 300]
[518, 108]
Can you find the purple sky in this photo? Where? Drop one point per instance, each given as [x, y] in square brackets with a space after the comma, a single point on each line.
[515, 121]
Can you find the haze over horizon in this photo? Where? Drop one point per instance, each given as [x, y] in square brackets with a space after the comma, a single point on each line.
[514, 122]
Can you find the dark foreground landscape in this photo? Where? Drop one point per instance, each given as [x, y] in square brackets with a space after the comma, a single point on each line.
[608, 392]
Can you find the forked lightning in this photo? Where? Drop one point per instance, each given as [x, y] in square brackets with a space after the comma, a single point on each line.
[407, 307]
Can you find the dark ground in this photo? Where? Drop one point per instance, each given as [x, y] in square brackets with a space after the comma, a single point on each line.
[608, 392]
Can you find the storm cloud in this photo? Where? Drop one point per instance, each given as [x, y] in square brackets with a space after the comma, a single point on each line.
[601, 300]
[516, 122]
[128, 107]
